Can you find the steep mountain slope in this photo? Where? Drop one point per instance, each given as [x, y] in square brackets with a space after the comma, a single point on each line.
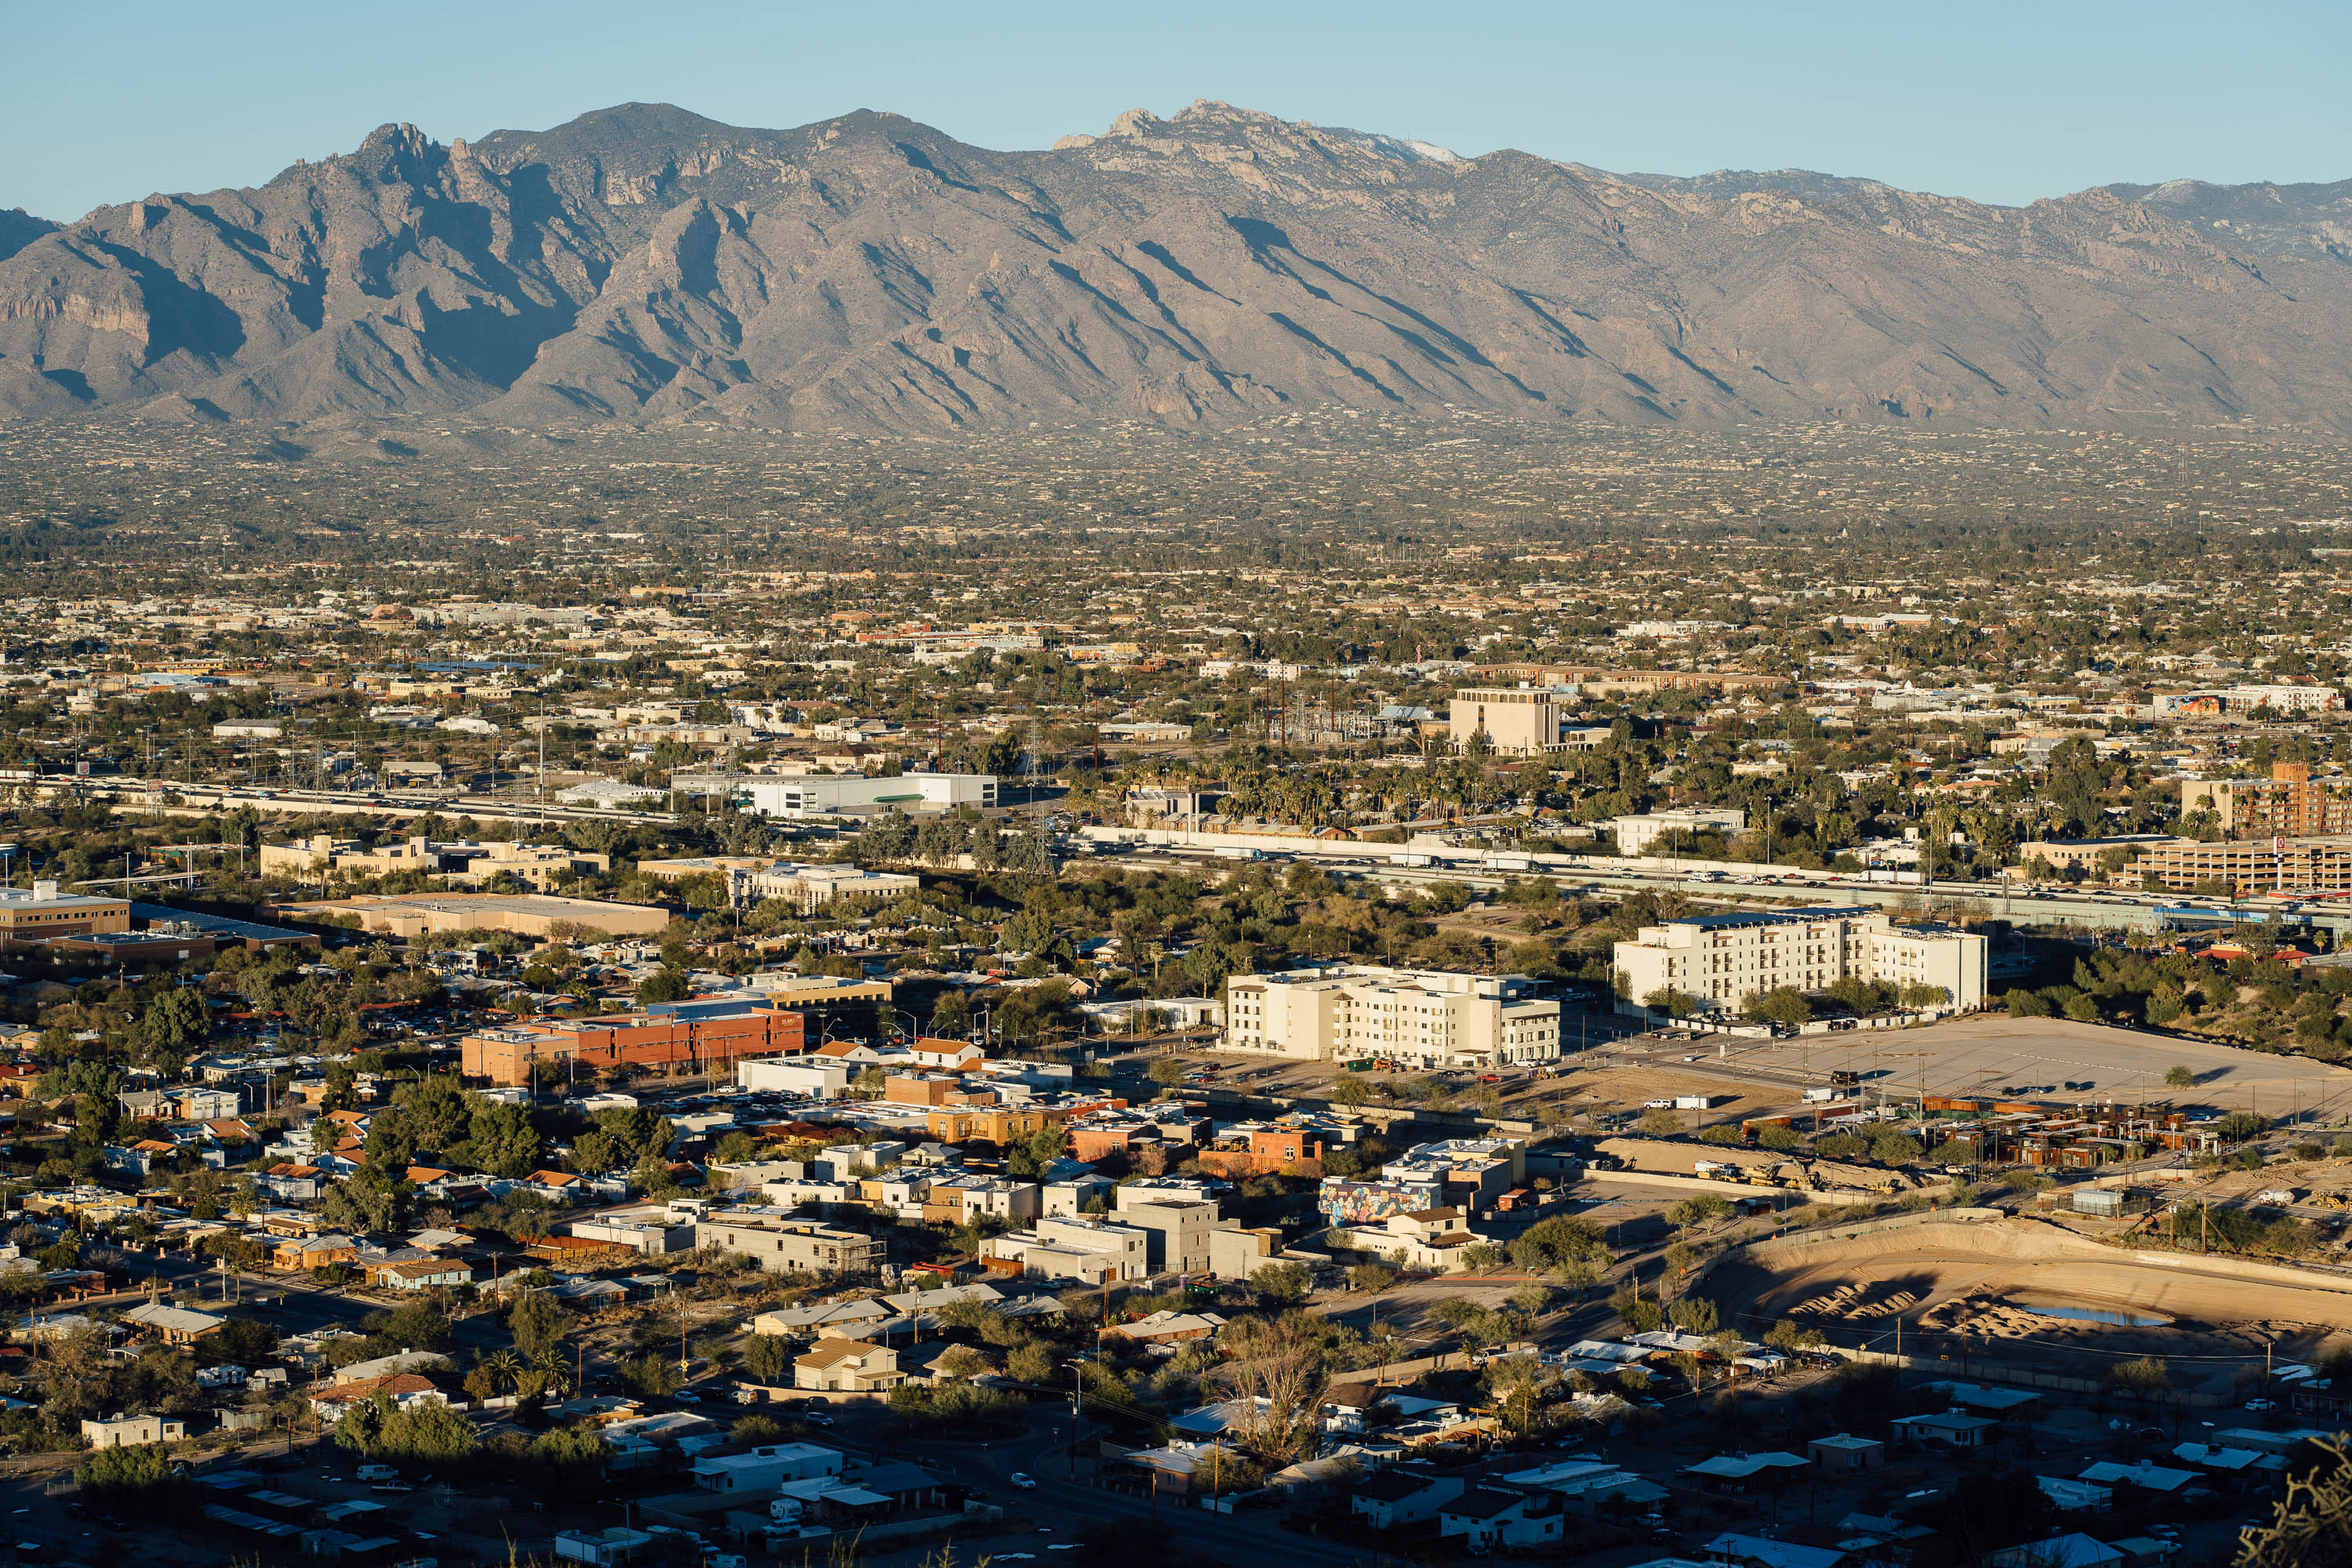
[19, 228]
[2260, 219]
[870, 273]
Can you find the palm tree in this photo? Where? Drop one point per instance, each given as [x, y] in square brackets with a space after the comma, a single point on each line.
[504, 1365]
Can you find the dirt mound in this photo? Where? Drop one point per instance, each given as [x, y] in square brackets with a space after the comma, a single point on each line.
[2025, 1291]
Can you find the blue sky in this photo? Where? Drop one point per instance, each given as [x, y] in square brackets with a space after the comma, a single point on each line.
[1994, 100]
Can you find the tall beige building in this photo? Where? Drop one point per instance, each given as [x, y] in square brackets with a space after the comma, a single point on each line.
[1419, 1018]
[1517, 720]
[1722, 959]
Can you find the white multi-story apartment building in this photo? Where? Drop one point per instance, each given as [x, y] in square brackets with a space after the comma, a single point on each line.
[1722, 959]
[1416, 1017]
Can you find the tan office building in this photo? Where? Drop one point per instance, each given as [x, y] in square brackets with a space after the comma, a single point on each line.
[463, 864]
[45, 911]
[1419, 1018]
[540, 915]
[1517, 720]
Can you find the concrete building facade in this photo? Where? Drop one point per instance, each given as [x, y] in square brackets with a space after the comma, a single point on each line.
[1719, 959]
[1516, 720]
[1420, 1018]
[784, 1244]
[1658, 832]
[2262, 865]
[1177, 1242]
[843, 794]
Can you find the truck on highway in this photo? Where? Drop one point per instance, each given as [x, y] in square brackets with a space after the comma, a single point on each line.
[1412, 857]
[1238, 852]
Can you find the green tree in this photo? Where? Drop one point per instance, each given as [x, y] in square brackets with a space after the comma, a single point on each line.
[1282, 1284]
[651, 1375]
[665, 985]
[427, 1432]
[2241, 1125]
[414, 1327]
[127, 1477]
[1638, 1313]
[1694, 1315]
[1700, 1208]
[174, 1018]
[536, 1324]
[768, 1359]
[501, 1140]
[1783, 1004]
[1549, 1243]
[1166, 1072]
[571, 1462]
[435, 1110]
[2143, 1378]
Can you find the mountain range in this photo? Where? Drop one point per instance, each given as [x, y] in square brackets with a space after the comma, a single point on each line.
[868, 273]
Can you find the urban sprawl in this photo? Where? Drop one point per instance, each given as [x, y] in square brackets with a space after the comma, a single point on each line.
[1344, 991]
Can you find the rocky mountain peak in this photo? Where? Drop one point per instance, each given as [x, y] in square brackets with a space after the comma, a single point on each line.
[868, 273]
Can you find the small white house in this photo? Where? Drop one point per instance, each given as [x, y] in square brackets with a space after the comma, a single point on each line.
[131, 1431]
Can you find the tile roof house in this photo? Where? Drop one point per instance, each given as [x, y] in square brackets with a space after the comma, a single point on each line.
[848, 1366]
[405, 1389]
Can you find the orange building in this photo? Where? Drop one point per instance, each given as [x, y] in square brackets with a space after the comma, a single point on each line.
[657, 1042]
[994, 1124]
[1265, 1151]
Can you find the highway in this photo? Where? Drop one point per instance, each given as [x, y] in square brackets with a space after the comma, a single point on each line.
[2098, 910]
[2025, 904]
[204, 800]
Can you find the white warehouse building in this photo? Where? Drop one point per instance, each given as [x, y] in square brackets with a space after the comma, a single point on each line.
[1722, 959]
[839, 794]
[1415, 1017]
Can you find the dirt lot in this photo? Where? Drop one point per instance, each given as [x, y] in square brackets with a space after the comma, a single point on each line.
[2026, 1292]
[1993, 1053]
[1608, 1091]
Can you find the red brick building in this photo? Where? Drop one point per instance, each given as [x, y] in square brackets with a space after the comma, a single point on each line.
[650, 1042]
